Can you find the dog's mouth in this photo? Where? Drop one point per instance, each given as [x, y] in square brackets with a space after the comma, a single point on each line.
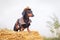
[30, 15]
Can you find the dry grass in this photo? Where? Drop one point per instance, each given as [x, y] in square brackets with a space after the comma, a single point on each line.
[24, 35]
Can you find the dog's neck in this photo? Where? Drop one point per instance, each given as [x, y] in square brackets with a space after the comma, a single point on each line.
[26, 19]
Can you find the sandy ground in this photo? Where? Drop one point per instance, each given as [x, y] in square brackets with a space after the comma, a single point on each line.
[24, 35]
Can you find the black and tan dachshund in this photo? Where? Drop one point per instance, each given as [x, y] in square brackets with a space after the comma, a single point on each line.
[24, 22]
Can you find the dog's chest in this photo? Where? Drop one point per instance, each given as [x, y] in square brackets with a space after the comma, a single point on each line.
[21, 21]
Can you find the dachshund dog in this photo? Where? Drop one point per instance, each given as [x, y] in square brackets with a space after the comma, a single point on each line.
[24, 22]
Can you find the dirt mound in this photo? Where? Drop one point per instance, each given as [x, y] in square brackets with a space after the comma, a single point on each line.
[24, 35]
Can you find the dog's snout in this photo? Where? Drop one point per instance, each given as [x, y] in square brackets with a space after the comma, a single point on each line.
[32, 15]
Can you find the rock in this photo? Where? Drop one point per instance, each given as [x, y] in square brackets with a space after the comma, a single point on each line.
[23, 35]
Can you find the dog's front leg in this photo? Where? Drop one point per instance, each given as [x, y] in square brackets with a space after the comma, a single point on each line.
[22, 29]
[28, 29]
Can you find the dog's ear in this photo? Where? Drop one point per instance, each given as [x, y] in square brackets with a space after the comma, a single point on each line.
[23, 13]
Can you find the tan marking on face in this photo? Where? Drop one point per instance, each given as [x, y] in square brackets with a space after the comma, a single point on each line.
[30, 15]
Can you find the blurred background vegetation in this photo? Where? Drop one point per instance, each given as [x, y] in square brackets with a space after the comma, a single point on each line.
[54, 26]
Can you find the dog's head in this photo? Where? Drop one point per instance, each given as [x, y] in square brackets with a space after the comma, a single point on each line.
[27, 11]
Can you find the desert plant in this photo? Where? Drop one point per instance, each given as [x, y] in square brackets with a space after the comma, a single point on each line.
[54, 25]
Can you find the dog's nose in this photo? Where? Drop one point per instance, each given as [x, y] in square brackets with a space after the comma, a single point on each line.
[32, 15]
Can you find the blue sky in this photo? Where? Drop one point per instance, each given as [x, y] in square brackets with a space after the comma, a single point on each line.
[10, 11]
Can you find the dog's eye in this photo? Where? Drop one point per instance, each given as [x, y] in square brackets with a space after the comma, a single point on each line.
[29, 12]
